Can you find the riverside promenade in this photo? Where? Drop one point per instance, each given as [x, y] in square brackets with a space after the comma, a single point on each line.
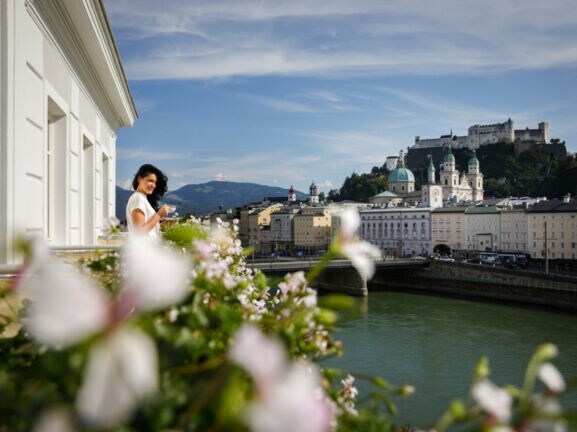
[475, 281]
[465, 280]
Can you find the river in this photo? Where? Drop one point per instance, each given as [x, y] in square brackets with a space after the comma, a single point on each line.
[433, 343]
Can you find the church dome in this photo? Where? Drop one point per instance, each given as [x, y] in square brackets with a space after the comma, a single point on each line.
[401, 175]
[474, 161]
[449, 158]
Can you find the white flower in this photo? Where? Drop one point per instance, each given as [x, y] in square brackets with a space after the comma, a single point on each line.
[350, 221]
[66, 306]
[155, 276]
[263, 358]
[552, 378]
[289, 394]
[292, 404]
[362, 255]
[121, 372]
[111, 222]
[493, 399]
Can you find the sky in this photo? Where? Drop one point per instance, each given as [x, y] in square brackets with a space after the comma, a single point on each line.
[285, 93]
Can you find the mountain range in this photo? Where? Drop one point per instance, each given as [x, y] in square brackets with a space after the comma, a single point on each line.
[204, 198]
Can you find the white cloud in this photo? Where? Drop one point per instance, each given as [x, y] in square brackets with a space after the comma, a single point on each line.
[224, 177]
[283, 105]
[141, 154]
[126, 184]
[208, 40]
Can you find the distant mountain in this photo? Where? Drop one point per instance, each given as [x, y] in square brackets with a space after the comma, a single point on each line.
[208, 197]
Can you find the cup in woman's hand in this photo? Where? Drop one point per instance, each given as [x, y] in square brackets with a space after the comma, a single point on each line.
[171, 208]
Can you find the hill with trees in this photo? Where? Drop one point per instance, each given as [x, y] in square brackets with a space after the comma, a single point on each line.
[204, 198]
[532, 173]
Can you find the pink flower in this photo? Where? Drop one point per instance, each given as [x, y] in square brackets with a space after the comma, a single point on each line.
[289, 394]
[293, 283]
[293, 403]
[262, 357]
[68, 307]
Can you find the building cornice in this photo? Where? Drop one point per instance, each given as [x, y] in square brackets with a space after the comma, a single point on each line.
[81, 32]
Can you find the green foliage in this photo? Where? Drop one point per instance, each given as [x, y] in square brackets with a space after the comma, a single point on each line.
[200, 387]
[532, 173]
[362, 187]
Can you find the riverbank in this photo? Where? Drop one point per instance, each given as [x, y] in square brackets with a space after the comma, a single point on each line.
[474, 281]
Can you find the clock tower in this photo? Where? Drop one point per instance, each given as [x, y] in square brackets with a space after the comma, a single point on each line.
[432, 196]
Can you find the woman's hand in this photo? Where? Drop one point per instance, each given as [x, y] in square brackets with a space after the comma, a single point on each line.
[163, 211]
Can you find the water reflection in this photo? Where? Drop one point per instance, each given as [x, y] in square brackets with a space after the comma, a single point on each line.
[433, 343]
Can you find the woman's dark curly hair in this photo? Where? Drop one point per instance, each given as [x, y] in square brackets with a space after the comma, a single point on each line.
[161, 183]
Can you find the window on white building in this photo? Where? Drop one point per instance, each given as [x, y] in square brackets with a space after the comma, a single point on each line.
[56, 174]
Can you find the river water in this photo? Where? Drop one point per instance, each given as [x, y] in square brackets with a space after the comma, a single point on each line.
[434, 343]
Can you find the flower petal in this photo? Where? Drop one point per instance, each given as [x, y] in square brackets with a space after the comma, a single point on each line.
[350, 221]
[552, 378]
[122, 371]
[155, 275]
[294, 403]
[66, 305]
[263, 357]
[362, 255]
[493, 399]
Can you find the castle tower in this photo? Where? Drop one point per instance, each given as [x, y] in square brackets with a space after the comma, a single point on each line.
[292, 195]
[544, 128]
[449, 175]
[313, 196]
[475, 178]
[431, 171]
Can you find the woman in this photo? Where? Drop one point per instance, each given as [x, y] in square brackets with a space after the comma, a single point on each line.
[142, 212]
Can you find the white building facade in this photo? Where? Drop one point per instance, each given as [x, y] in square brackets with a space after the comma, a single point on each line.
[514, 230]
[63, 94]
[397, 231]
[483, 225]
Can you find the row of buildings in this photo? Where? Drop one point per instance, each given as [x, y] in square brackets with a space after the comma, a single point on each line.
[447, 216]
[458, 229]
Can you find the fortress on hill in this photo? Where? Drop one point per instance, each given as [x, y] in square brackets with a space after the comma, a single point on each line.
[483, 135]
[479, 135]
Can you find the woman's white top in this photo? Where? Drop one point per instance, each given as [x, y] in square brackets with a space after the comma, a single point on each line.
[139, 201]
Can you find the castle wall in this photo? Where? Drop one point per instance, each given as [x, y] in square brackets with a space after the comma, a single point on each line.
[479, 135]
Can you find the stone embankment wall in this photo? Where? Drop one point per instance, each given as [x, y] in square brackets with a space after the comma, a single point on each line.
[475, 281]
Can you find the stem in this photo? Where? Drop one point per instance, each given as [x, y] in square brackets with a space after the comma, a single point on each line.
[204, 397]
[315, 271]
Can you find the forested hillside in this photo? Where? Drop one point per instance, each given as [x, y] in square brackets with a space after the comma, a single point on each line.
[532, 173]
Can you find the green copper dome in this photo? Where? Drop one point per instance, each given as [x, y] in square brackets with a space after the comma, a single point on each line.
[474, 160]
[401, 175]
[449, 158]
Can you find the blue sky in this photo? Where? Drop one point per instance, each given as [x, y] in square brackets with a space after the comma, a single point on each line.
[286, 92]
